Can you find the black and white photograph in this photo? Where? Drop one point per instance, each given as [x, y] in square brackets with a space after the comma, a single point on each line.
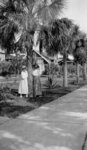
[43, 74]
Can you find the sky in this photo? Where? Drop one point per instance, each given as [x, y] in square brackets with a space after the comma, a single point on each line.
[77, 10]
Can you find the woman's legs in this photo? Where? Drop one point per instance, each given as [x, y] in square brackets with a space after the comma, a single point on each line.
[22, 96]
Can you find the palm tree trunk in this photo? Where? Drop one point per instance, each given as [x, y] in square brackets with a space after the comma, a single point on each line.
[65, 81]
[29, 61]
[30, 77]
[36, 81]
[49, 76]
[77, 72]
[84, 72]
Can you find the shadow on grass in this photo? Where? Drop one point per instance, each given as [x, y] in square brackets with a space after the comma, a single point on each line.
[13, 111]
[14, 106]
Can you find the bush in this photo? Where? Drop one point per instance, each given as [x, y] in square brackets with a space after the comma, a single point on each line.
[4, 68]
[71, 69]
[16, 65]
[6, 93]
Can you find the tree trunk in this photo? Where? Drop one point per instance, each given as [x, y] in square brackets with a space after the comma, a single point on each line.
[77, 72]
[65, 78]
[84, 72]
[30, 77]
[49, 76]
[36, 80]
[30, 61]
[29, 65]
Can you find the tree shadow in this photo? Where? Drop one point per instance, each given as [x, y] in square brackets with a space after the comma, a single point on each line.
[14, 106]
[49, 95]
[12, 111]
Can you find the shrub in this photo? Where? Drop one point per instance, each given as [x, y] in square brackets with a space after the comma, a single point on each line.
[4, 92]
[16, 64]
[71, 69]
[4, 68]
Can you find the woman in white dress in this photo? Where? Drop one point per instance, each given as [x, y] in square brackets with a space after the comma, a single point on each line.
[23, 85]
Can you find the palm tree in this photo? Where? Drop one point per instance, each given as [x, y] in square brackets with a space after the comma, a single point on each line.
[84, 46]
[81, 54]
[75, 33]
[69, 24]
[14, 28]
[56, 38]
[78, 46]
[44, 11]
[20, 16]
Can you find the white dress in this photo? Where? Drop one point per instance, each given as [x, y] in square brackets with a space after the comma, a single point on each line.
[23, 85]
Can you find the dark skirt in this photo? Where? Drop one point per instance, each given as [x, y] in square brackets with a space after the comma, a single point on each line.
[37, 86]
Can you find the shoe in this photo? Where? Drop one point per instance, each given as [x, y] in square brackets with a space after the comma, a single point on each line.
[26, 96]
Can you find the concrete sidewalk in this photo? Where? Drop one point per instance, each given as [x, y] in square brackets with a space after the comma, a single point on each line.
[59, 125]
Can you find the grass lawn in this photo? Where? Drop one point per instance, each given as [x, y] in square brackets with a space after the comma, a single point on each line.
[11, 105]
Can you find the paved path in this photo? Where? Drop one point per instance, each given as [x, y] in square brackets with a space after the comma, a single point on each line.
[59, 125]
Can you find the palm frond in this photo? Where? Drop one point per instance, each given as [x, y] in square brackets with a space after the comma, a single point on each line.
[80, 47]
[68, 22]
[80, 55]
[54, 38]
[48, 10]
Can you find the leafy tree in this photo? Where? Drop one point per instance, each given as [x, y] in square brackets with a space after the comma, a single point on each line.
[75, 33]
[81, 54]
[4, 68]
[18, 19]
[78, 48]
[56, 38]
[16, 64]
[68, 24]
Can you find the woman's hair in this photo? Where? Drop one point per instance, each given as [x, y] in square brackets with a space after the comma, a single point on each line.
[23, 67]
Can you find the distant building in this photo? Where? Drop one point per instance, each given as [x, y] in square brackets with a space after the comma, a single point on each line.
[14, 55]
